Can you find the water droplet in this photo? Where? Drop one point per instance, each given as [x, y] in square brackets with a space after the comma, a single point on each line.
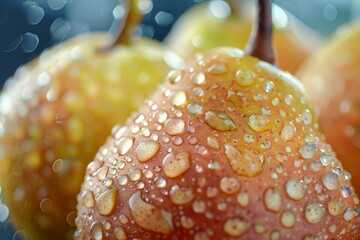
[198, 92]
[345, 192]
[249, 138]
[349, 214]
[4, 213]
[146, 150]
[160, 182]
[149, 216]
[288, 99]
[308, 150]
[244, 163]
[199, 206]
[281, 157]
[243, 199]
[174, 126]
[275, 101]
[334, 207]
[269, 86]
[135, 174]
[202, 235]
[181, 196]
[211, 192]
[30, 42]
[259, 123]
[213, 143]
[236, 227]
[197, 78]
[275, 235]
[160, 116]
[178, 97]
[176, 163]
[217, 69]
[326, 159]
[331, 180]
[87, 199]
[315, 165]
[314, 212]
[124, 144]
[229, 185]
[106, 202]
[35, 14]
[288, 131]
[123, 219]
[219, 121]
[187, 222]
[96, 230]
[174, 76]
[266, 144]
[123, 179]
[120, 234]
[307, 116]
[295, 188]
[194, 108]
[287, 219]
[259, 228]
[245, 78]
[272, 199]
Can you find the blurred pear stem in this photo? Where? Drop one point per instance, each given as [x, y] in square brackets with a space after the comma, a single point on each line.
[260, 42]
[123, 27]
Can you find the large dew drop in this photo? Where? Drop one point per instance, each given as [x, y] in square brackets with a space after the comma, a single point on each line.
[244, 163]
[176, 163]
[219, 121]
[146, 150]
[180, 195]
[236, 227]
[314, 212]
[149, 216]
[107, 201]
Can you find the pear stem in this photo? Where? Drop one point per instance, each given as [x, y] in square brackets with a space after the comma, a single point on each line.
[260, 43]
[123, 28]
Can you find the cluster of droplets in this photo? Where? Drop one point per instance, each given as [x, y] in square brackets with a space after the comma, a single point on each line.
[170, 166]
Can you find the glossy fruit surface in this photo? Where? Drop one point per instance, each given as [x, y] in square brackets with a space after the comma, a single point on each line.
[332, 79]
[228, 148]
[212, 24]
[55, 113]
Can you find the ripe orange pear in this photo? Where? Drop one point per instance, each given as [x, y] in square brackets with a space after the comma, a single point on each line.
[332, 79]
[55, 113]
[217, 23]
[227, 148]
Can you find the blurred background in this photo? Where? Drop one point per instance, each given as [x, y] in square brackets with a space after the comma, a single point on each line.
[28, 27]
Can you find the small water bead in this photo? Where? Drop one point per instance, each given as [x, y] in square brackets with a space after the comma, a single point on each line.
[211, 192]
[249, 138]
[217, 69]
[198, 92]
[96, 230]
[314, 212]
[245, 163]
[182, 195]
[123, 219]
[134, 174]
[101, 173]
[287, 219]
[120, 234]
[307, 150]
[245, 78]
[160, 182]
[174, 126]
[272, 199]
[201, 149]
[349, 214]
[275, 235]
[213, 143]
[197, 78]
[236, 227]
[259, 122]
[269, 86]
[288, 131]
[123, 179]
[266, 144]
[194, 108]
[229, 185]
[145, 132]
[160, 116]
[177, 140]
[326, 159]
[259, 228]
[219, 121]
[174, 76]
[192, 140]
[307, 116]
[213, 165]
[178, 97]
[94, 166]
[345, 192]
[107, 201]
[295, 188]
[281, 157]
[148, 174]
[140, 185]
[201, 236]
[288, 99]
[146, 150]
[87, 199]
[275, 101]
[176, 163]
[107, 182]
[331, 180]
[334, 207]
[243, 199]
[199, 206]
[187, 222]
[124, 144]
[315, 165]
[149, 216]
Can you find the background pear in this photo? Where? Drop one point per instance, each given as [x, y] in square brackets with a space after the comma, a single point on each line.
[228, 147]
[56, 111]
[214, 24]
[332, 79]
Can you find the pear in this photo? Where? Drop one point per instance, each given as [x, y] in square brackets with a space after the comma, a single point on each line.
[215, 23]
[332, 79]
[227, 148]
[55, 113]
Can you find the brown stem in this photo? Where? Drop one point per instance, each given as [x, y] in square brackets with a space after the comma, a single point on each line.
[260, 42]
[122, 29]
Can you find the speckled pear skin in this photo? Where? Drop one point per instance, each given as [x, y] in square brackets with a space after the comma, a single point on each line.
[332, 78]
[199, 29]
[55, 113]
[227, 148]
